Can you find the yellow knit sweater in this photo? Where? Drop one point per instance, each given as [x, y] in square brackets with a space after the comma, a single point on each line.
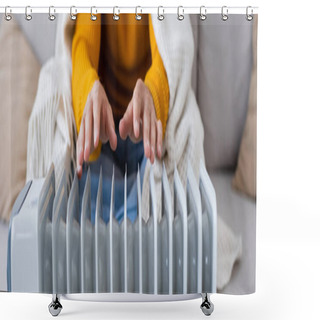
[117, 53]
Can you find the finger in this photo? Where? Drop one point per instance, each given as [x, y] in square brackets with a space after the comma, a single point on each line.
[110, 129]
[159, 138]
[103, 133]
[137, 108]
[80, 147]
[153, 129]
[79, 172]
[132, 135]
[146, 133]
[96, 121]
[88, 134]
[125, 125]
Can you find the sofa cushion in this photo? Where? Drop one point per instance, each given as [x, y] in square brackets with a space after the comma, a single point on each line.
[40, 34]
[19, 71]
[245, 176]
[224, 72]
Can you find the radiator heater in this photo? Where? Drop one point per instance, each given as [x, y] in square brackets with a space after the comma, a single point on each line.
[56, 247]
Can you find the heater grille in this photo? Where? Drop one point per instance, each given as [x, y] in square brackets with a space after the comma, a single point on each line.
[56, 247]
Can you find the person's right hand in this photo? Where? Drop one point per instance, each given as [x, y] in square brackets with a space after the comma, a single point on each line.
[97, 124]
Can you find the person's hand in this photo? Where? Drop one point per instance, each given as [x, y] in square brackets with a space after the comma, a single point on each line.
[140, 121]
[97, 124]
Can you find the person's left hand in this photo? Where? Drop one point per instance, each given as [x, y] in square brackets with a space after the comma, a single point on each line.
[140, 121]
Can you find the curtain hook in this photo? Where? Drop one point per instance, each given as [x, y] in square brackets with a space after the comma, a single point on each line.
[116, 16]
[51, 15]
[138, 16]
[224, 13]
[8, 16]
[180, 14]
[28, 16]
[93, 16]
[249, 16]
[73, 16]
[203, 13]
[160, 16]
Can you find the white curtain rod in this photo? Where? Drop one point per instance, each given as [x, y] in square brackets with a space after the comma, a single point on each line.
[135, 10]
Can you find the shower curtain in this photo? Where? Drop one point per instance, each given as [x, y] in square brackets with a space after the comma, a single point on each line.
[128, 153]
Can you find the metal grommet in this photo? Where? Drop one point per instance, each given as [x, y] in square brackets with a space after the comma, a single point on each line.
[224, 13]
[7, 16]
[160, 16]
[138, 16]
[249, 16]
[28, 16]
[180, 14]
[93, 17]
[51, 15]
[116, 16]
[73, 16]
[203, 13]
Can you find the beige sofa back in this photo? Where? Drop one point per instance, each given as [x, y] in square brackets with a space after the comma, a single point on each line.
[221, 80]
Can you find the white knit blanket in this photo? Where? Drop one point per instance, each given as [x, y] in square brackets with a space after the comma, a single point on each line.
[52, 131]
[52, 134]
